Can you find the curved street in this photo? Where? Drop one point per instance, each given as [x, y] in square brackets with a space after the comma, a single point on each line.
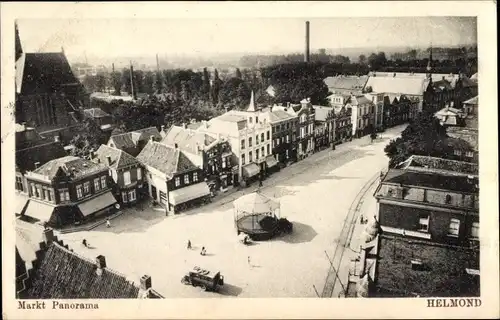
[315, 194]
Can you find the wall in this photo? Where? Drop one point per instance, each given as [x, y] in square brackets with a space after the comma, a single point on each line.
[171, 183]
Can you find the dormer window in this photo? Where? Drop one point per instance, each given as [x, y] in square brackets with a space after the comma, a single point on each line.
[448, 199]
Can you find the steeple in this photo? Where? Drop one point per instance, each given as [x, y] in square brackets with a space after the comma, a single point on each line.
[18, 47]
[251, 107]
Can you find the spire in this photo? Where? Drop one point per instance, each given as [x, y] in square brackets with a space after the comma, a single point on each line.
[251, 107]
[19, 48]
[429, 64]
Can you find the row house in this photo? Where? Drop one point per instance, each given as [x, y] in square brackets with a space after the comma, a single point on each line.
[211, 152]
[345, 85]
[249, 135]
[362, 115]
[68, 190]
[47, 268]
[396, 109]
[427, 223]
[377, 100]
[126, 172]
[305, 128]
[173, 180]
[133, 142]
[324, 127]
[283, 133]
[343, 124]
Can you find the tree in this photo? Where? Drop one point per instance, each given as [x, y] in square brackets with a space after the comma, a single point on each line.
[100, 82]
[216, 88]
[117, 82]
[88, 138]
[158, 85]
[238, 73]
[206, 84]
[362, 59]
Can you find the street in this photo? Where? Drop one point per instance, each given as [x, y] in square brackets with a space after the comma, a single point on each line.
[315, 194]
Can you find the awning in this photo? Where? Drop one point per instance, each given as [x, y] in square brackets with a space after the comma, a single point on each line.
[105, 127]
[271, 161]
[251, 170]
[39, 210]
[188, 193]
[96, 204]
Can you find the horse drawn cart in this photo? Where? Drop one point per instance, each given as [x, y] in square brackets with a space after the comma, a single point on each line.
[204, 279]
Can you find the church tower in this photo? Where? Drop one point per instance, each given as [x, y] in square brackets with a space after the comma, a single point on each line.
[429, 64]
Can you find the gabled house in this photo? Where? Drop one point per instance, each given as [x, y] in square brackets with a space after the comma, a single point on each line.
[396, 109]
[343, 123]
[450, 116]
[46, 268]
[68, 190]
[209, 151]
[362, 115]
[305, 128]
[173, 179]
[324, 127]
[127, 173]
[133, 142]
[103, 119]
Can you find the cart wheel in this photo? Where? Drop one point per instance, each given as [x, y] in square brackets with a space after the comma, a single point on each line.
[203, 287]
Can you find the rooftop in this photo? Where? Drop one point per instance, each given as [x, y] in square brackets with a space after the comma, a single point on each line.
[95, 113]
[322, 113]
[132, 138]
[353, 83]
[166, 159]
[402, 85]
[444, 275]
[444, 166]
[70, 166]
[474, 100]
[430, 180]
[119, 158]
[187, 139]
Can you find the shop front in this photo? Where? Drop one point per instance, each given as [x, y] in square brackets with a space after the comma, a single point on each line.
[250, 173]
[271, 165]
[189, 196]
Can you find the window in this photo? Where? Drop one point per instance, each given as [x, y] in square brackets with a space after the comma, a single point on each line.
[474, 231]
[131, 195]
[45, 194]
[243, 144]
[262, 151]
[224, 163]
[268, 135]
[38, 191]
[250, 141]
[257, 139]
[243, 159]
[97, 186]
[447, 199]
[454, 227]
[287, 138]
[195, 176]
[469, 154]
[79, 193]
[86, 187]
[257, 154]
[302, 132]
[250, 156]
[177, 181]
[103, 182]
[19, 183]
[50, 195]
[250, 120]
[286, 153]
[124, 197]
[139, 173]
[278, 141]
[126, 177]
[457, 152]
[63, 194]
[423, 224]
[268, 149]
[186, 179]
[262, 137]
[303, 118]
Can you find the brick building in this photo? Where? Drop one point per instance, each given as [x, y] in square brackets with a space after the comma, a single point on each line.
[324, 127]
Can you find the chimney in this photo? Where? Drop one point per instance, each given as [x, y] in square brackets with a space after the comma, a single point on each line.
[184, 126]
[226, 109]
[306, 53]
[100, 261]
[108, 158]
[145, 282]
[37, 164]
[56, 138]
[48, 235]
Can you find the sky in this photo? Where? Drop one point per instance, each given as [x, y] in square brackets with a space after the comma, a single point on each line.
[118, 37]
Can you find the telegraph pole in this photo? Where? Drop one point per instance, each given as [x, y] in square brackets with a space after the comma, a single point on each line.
[336, 274]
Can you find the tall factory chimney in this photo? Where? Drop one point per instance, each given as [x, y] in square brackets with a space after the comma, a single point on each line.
[306, 53]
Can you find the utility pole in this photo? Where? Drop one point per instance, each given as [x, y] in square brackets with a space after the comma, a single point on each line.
[336, 274]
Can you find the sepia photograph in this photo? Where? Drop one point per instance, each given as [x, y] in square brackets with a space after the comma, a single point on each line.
[210, 157]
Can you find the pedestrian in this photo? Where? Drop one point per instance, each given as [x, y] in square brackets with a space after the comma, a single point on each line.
[189, 244]
[84, 242]
[248, 259]
[203, 251]
[260, 183]
[108, 224]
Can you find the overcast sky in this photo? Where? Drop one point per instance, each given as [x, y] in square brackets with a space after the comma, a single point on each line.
[126, 37]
